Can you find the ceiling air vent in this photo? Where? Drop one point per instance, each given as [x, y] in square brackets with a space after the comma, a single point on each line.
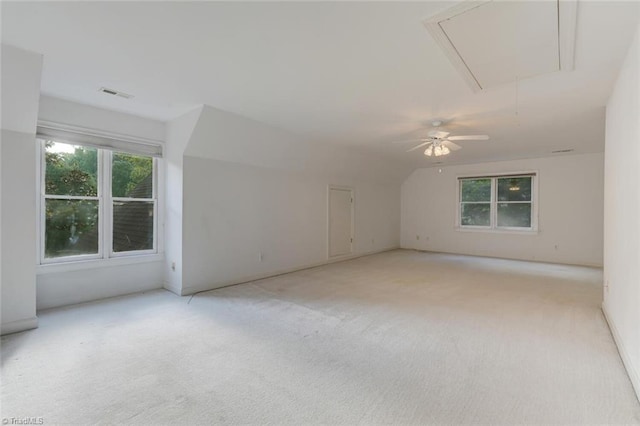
[560, 151]
[115, 93]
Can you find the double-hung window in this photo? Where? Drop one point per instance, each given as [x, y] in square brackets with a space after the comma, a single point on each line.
[498, 202]
[97, 201]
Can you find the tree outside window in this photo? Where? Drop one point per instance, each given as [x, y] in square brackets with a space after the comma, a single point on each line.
[77, 198]
[497, 202]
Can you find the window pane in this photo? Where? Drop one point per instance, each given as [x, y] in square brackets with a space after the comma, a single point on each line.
[476, 214]
[514, 189]
[514, 215]
[70, 169]
[71, 227]
[476, 190]
[132, 225]
[132, 176]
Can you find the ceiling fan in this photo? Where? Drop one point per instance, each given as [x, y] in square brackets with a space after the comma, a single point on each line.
[439, 143]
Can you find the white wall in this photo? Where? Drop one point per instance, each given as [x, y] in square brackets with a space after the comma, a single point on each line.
[20, 91]
[224, 136]
[18, 232]
[234, 212]
[178, 134]
[570, 215]
[622, 213]
[66, 112]
[59, 285]
[250, 188]
[97, 282]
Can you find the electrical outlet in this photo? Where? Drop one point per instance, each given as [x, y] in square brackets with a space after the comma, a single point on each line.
[418, 237]
[173, 266]
[260, 257]
[556, 247]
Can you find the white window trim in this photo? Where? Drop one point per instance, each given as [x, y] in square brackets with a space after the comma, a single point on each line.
[99, 139]
[105, 255]
[109, 209]
[493, 227]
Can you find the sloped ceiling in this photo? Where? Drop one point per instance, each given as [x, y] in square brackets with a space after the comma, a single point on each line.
[353, 73]
[494, 42]
[223, 136]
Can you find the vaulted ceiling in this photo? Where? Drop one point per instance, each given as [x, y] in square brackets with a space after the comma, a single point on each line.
[357, 73]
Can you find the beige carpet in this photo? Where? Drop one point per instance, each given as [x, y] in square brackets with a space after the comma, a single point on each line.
[401, 337]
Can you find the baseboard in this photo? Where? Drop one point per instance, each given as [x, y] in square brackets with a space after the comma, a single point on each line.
[626, 359]
[186, 291]
[173, 288]
[20, 325]
[587, 265]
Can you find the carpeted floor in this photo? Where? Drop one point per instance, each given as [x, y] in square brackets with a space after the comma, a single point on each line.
[401, 337]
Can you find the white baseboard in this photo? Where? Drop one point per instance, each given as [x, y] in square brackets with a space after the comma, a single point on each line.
[20, 325]
[552, 262]
[175, 289]
[197, 289]
[626, 359]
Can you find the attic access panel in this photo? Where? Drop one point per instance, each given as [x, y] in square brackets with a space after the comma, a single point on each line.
[497, 42]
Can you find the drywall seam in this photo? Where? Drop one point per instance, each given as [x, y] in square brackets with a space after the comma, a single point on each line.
[188, 290]
[634, 377]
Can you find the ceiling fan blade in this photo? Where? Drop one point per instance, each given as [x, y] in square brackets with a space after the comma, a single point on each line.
[452, 146]
[409, 140]
[437, 134]
[419, 146]
[469, 138]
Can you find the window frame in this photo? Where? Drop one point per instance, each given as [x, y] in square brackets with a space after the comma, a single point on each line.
[493, 212]
[112, 199]
[460, 202]
[105, 209]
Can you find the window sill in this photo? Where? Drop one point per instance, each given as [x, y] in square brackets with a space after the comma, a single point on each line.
[98, 263]
[499, 231]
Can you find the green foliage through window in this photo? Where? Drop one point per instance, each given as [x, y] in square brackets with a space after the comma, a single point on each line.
[71, 224]
[510, 207]
[476, 190]
[131, 176]
[71, 170]
[514, 188]
[71, 227]
[74, 202]
[476, 214]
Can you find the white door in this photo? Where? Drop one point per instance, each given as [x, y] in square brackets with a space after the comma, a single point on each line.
[340, 221]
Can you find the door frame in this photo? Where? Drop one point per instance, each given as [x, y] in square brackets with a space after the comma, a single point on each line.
[353, 219]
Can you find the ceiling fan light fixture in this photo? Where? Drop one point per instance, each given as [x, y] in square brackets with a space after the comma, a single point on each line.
[440, 143]
[440, 150]
[436, 150]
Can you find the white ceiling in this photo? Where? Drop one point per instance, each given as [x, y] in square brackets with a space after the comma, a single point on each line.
[494, 49]
[359, 73]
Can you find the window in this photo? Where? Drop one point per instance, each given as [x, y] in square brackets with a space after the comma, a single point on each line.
[133, 203]
[96, 203]
[497, 202]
